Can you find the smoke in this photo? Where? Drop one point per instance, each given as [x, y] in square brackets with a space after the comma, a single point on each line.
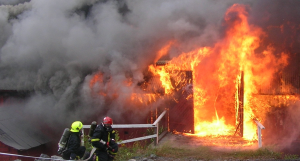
[280, 21]
[54, 48]
[12, 2]
[284, 122]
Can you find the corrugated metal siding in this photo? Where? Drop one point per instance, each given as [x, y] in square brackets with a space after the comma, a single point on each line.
[17, 132]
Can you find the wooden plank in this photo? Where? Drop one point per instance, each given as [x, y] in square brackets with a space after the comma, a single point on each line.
[137, 139]
[127, 126]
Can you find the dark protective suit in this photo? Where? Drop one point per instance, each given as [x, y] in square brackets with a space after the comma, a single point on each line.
[73, 148]
[100, 140]
[112, 150]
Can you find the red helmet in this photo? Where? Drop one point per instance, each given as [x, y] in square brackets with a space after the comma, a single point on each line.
[107, 121]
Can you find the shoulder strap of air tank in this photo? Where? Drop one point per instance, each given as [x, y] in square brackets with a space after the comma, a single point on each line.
[67, 143]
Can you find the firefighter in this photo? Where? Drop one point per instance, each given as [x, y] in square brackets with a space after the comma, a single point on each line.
[73, 149]
[103, 139]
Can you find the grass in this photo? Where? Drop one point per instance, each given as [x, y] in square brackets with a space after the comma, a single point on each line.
[208, 153]
[137, 150]
[201, 152]
[140, 149]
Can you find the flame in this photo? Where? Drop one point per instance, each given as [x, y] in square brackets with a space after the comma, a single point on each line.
[143, 98]
[163, 51]
[218, 74]
[164, 78]
[216, 80]
[99, 88]
[95, 82]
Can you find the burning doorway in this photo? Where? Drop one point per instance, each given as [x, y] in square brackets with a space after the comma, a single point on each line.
[176, 86]
[227, 77]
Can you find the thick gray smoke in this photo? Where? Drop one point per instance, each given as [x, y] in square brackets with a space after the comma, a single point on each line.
[53, 48]
[12, 2]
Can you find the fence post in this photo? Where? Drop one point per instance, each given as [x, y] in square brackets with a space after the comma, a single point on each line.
[157, 133]
[259, 128]
[259, 137]
[82, 137]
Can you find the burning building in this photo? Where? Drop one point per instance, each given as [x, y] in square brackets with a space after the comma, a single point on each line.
[229, 63]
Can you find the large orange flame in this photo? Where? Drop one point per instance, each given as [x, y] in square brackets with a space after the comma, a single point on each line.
[215, 79]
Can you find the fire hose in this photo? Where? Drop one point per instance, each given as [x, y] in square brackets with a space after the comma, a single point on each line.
[9, 154]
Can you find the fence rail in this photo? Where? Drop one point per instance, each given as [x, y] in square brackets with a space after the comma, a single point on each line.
[154, 125]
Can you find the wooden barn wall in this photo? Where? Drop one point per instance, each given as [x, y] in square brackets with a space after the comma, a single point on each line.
[6, 149]
[36, 152]
[282, 84]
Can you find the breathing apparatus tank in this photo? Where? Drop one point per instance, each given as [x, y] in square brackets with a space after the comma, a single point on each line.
[63, 141]
[92, 128]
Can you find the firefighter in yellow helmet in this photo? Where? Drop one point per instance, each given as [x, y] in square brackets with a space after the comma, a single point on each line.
[73, 149]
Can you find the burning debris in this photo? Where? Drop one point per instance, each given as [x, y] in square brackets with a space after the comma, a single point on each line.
[229, 62]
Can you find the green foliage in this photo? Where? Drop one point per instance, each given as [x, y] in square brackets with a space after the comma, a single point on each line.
[137, 150]
[199, 153]
[291, 157]
[208, 153]
[261, 153]
[117, 136]
[141, 149]
[87, 143]
[152, 131]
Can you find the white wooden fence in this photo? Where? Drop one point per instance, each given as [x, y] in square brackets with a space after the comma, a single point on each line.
[154, 125]
[259, 128]
[156, 135]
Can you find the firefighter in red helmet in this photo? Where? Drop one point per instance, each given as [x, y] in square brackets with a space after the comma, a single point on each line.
[103, 139]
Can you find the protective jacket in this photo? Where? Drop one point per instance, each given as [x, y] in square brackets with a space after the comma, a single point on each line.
[104, 134]
[74, 142]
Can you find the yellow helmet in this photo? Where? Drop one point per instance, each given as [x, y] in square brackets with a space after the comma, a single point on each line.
[76, 126]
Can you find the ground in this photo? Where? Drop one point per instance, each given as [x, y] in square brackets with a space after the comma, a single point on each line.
[218, 142]
[219, 146]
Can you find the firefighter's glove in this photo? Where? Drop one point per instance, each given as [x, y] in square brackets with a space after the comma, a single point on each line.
[110, 148]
